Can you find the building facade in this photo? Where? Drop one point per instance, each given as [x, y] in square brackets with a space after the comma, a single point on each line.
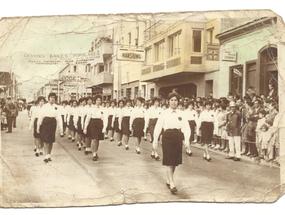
[249, 57]
[73, 80]
[184, 56]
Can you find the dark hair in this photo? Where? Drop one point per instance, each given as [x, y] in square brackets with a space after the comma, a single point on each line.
[155, 99]
[114, 102]
[140, 99]
[121, 101]
[173, 94]
[52, 95]
[64, 102]
[97, 96]
[89, 98]
[40, 98]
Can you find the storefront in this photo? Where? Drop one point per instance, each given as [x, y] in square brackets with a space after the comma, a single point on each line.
[249, 58]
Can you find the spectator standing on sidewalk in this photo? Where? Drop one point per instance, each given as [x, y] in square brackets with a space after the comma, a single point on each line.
[11, 112]
[234, 132]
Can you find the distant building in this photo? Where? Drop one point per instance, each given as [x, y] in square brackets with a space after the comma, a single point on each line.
[73, 82]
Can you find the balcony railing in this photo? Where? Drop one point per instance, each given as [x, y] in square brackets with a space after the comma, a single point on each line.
[102, 78]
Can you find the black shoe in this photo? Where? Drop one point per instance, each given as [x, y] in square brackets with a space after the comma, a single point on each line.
[37, 154]
[168, 185]
[208, 159]
[41, 153]
[49, 159]
[152, 156]
[173, 190]
[73, 140]
[86, 152]
[127, 147]
[236, 159]
[46, 160]
[230, 158]
[189, 154]
[111, 140]
[95, 158]
[138, 152]
[157, 158]
[79, 148]
[119, 144]
[35, 150]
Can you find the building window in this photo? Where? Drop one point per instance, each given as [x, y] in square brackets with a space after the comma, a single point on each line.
[197, 40]
[128, 93]
[235, 82]
[174, 44]
[101, 68]
[210, 34]
[138, 35]
[122, 92]
[159, 51]
[130, 38]
[136, 92]
[151, 93]
[144, 90]
[74, 68]
[110, 68]
[148, 53]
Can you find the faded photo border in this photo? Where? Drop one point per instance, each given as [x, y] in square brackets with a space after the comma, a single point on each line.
[80, 7]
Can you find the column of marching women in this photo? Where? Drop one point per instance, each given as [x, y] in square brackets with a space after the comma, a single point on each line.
[174, 123]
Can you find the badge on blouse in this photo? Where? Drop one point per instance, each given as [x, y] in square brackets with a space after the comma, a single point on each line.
[55, 108]
[179, 118]
[101, 112]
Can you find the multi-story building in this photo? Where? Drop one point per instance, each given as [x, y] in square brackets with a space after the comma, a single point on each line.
[183, 55]
[249, 56]
[73, 81]
[100, 71]
[128, 59]
[53, 86]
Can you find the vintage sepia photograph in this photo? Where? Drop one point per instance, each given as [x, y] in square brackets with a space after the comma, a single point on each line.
[110, 109]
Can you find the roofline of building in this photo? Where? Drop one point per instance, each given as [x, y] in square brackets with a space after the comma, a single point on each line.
[245, 28]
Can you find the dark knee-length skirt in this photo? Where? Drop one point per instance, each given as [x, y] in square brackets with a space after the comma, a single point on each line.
[63, 123]
[151, 126]
[172, 147]
[71, 123]
[126, 125]
[109, 126]
[94, 129]
[138, 127]
[116, 125]
[192, 125]
[79, 126]
[36, 134]
[47, 130]
[207, 130]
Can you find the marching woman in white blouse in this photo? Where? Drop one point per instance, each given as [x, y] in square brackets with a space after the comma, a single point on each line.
[49, 118]
[192, 118]
[110, 116]
[151, 118]
[33, 124]
[175, 129]
[137, 122]
[63, 112]
[87, 109]
[95, 126]
[70, 121]
[78, 123]
[115, 122]
[206, 125]
[124, 123]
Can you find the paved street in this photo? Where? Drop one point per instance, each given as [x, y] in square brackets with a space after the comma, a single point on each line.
[120, 176]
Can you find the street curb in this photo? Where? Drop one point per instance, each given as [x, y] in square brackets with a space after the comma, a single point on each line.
[243, 158]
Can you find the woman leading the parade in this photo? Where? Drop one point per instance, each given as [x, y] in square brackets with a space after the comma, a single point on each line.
[49, 118]
[175, 130]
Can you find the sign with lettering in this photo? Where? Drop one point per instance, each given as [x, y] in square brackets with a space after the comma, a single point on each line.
[130, 54]
[229, 55]
[71, 58]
